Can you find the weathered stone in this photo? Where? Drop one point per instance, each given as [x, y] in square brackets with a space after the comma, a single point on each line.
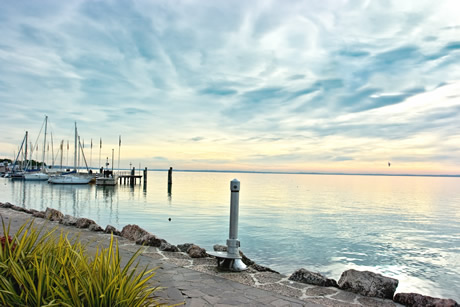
[32, 211]
[95, 227]
[53, 214]
[150, 240]
[112, 230]
[7, 205]
[312, 278]
[20, 209]
[196, 252]
[184, 247]
[68, 220]
[167, 247]
[133, 232]
[368, 283]
[261, 268]
[418, 300]
[84, 222]
[245, 259]
[39, 214]
[220, 248]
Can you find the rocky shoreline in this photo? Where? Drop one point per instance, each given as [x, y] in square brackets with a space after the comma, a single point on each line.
[356, 288]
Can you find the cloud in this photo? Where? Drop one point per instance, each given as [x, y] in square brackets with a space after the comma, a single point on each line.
[276, 76]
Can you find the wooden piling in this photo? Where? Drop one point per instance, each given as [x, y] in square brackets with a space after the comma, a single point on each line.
[145, 176]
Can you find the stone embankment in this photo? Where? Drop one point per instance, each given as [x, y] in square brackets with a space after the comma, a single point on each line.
[354, 288]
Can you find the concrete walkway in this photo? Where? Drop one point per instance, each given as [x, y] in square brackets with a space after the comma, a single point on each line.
[197, 282]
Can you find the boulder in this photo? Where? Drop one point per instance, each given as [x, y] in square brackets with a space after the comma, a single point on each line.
[20, 209]
[261, 268]
[196, 252]
[7, 205]
[368, 284]
[184, 247]
[220, 248]
[95, 227]
[418, 300]
[167, 247]
[150, 240]
[39, 214]
[133, 232]
[53, 214]
[68, 220]
[312, 278]
[112, 230]
[84, 222]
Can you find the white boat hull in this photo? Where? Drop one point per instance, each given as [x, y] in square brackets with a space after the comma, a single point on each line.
[69, 179]
[36, 176]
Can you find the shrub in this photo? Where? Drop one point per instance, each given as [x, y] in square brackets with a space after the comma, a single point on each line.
[38, 268]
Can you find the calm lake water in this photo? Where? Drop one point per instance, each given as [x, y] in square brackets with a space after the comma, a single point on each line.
[403, 227]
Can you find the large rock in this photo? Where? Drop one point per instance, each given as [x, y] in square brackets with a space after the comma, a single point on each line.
[184, 247]
[196, 252]
[150, 240]
[20, 209]
[68, 220]
[418, 300]
[7, 205]
[167, 247]
[368, 284]
[312, 278]
[112, 230]
[39, 214]
[133, 232]
[261, 268]
[84, 222]
[53, 214]
[95, 227]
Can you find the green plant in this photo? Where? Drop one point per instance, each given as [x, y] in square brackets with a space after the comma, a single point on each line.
[45, 269]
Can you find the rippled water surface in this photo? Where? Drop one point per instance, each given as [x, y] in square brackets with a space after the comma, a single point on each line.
[403, 227]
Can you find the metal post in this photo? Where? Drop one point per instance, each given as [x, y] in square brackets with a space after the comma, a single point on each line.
[232, 243]
[231, 260]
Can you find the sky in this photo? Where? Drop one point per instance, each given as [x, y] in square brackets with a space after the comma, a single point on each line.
[298, 86]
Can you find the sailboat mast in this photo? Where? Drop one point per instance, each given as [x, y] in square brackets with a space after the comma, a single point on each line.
[75, 154]
[44, 143]
[25, 157]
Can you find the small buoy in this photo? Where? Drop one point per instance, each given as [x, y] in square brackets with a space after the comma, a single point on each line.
[169, 219]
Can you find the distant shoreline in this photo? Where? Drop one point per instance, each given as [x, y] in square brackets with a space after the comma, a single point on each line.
[305, 173]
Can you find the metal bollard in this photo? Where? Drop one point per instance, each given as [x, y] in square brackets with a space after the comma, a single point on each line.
[231, 260]
[233, 244]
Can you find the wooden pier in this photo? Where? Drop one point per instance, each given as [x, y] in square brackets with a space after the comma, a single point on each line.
[131, 177]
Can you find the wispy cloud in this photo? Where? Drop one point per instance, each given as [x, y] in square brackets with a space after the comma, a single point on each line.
[292, 81]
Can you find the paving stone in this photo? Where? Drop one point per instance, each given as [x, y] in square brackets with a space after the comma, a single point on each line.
[282, 289]
[367, 301]
[267, 277]
[197, 302]
[193, 293]
[280, 303]
[320, 291]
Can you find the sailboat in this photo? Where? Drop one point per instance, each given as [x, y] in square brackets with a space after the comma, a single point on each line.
[71, 178]
[40, 175]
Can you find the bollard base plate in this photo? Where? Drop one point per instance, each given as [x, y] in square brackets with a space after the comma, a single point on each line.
[228, 262]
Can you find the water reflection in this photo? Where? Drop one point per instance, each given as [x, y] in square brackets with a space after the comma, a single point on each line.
[404, 227]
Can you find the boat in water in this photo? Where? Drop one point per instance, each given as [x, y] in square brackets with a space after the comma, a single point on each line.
[70, 179]
[36, 176]
[74, 178]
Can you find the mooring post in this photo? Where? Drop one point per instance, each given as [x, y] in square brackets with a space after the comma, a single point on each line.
[170, 175]
[232, 243]
[132, 180]
[145, 176]
[231, 260]
[170, 180]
